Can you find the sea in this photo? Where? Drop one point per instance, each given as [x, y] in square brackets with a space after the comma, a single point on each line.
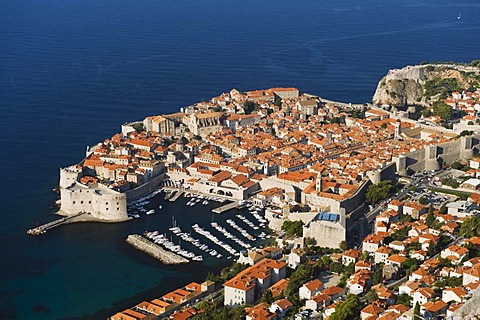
[72, 71]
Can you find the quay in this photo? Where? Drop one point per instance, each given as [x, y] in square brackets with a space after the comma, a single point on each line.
[50, 225]
[177, 195]
[228, 206]
[154, 250]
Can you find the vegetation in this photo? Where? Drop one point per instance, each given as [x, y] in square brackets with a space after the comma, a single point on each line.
[443, 110]
[470, 227]
[404, 299]
[138, 126]
[302, 274]
[460, 194]
[379, 191]
[430, 218]
[227, 273]
[459, 166]
[371, 296]
[267, 297]
[213, 311]
[416, 312]
[449, 282]
[349, 309]
[293, 228]
[451, 182]
[475, 63]
[441, 86]
[249, 107]
[466, 132]
[423, 201]
[378, 274]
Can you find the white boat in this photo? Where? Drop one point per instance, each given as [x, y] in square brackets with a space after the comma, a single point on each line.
[150, 212]
[160, 207]
[459, 15]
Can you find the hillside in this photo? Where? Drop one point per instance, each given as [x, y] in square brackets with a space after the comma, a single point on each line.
[422, 85]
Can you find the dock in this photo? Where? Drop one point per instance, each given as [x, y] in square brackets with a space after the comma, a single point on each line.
[176, 196]
[154, 250]
[228, 206]
[50, 225]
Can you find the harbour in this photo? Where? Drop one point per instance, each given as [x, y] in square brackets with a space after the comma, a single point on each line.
[121, 73]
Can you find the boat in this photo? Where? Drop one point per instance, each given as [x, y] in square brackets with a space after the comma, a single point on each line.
[459, 15]
[150, 212]
[160, 207]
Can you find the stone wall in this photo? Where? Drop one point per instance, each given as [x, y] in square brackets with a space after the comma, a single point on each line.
[326, 233]
[433, 157]
[145, 188]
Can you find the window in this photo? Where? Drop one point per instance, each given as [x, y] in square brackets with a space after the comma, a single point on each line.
[73, 202]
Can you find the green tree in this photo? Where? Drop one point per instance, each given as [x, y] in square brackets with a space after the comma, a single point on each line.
[336, 267]
[431, 249]
[348, 309]
[430, 218]
[378, 274]
[293, 228]
[343, 245]
[410, 263]
[138, 126]
[404, 299]
[422, 200]
[443, 110]
[379, 191]
[267, 297]
[248, 106]
[371, 296]
[470, 227]
[302, 274]
[426, 113]
[416, 312]
[456, 165]
[443, 209]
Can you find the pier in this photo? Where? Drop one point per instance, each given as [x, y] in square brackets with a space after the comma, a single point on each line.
[154, 250]
[228, 206]
[177, 195]
[50, 225]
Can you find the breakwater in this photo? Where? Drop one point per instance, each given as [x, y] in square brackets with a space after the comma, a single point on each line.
[154, 250]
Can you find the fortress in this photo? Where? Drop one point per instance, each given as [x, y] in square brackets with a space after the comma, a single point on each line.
[98, 200]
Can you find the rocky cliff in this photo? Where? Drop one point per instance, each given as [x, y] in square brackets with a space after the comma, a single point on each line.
[423, 84]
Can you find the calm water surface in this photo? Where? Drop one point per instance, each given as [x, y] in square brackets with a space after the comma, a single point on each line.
[72, 71]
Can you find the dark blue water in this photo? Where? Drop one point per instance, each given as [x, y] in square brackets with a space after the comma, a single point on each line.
[72, 71]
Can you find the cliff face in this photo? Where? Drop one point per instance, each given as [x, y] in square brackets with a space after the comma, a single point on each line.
[399, 93]
[421, 85]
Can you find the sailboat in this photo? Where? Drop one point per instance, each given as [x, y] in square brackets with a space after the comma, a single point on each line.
[459, 15]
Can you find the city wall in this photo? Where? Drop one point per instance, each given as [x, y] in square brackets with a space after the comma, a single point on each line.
[145, 188]
[435, 156]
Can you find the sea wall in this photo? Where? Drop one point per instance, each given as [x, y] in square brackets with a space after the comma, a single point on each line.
[154, 250]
